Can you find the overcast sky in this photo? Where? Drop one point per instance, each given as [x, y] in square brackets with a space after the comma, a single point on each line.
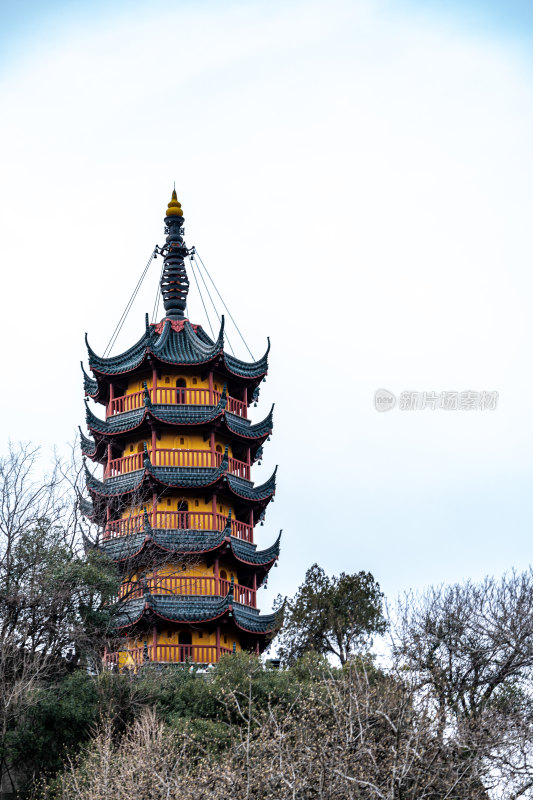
[357, 176]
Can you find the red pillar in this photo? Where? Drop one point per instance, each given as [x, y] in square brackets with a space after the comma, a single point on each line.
[245, 401]
[218, 643]
[214, 510]
[154, 509]
[212, 448]
[154, 644]
[211, 395]
[154, 446]
[254, 587]
[111, 398]
[217, 576]
[154, 384]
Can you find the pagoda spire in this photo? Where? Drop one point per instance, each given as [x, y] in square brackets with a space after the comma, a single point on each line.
[174, 280]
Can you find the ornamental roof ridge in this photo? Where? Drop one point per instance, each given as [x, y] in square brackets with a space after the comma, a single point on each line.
[237, 425]
[248, 491]
[89, 384]
[259, 557]
[248, 368]
[135, 353]
[87, 445]
[193, 608]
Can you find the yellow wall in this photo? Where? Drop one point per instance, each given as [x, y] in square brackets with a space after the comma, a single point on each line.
[196, 568]
[167, 380]
[170, 503]
[172, 441]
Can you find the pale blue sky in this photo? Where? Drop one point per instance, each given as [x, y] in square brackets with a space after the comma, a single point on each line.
[357, 176]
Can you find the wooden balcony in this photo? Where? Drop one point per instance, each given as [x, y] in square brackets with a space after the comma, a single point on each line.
[188, 585]
[172, 395]
[169, 654]
[164, 457]
[180, 520]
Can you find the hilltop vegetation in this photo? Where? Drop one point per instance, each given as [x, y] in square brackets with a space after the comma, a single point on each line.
[447, 712]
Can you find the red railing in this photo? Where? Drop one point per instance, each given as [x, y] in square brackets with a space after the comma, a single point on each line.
[182, 520]
[169, 654]
[172, 395]
[166, 457]
[188, 585]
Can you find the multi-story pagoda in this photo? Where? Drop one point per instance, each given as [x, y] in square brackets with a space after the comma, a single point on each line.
[176, 505]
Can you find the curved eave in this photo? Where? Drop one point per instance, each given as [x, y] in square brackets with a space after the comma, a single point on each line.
[255, 558]
[184, 542]
[170, 477]
[261, 430]
[88, 446]
[86, 508]
[247, 491]
[193, 609]
[247, 370]
[125, 362]
[187, 542]
[188, 416]
[180, 347]
[89, 384]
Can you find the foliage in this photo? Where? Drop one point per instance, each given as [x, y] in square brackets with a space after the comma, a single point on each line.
[335, 616]
[346, 737]
[55, 601]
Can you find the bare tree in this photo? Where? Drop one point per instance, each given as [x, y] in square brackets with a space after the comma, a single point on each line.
[469, 648]
[54, 606]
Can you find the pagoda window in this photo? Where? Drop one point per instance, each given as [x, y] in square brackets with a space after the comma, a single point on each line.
[218, 448]
[223, 575]
[140, 447]
[181, 395]
[185, 637]
[194, 380]
[183, 505]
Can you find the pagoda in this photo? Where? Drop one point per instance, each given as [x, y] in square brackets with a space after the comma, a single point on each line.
[176, 506]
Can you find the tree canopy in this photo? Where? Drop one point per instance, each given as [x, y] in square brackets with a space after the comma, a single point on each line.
[337, 616]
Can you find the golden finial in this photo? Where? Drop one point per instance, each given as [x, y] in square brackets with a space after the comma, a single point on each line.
[174, 207]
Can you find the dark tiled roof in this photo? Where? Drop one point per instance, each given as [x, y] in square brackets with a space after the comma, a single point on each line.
[179, 415]
[248, 491]
[181, 477]
[245, 551]
[188, 346]
[88, 446]
[194, 609]
[121, 548]
[242, 427]
[86, 507]
[89, 384]
[174, 541]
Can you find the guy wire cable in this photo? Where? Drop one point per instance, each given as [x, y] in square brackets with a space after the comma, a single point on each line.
[122, 319]
[225, 306]
[201, 297]
[216, 312]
